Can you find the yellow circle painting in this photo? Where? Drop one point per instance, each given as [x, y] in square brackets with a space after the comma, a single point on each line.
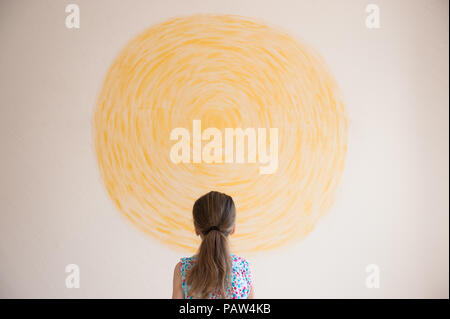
[226, 103]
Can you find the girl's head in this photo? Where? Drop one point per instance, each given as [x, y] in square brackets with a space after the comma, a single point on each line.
[214, 216]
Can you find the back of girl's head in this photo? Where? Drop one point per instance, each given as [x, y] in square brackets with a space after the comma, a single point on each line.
[214, 216]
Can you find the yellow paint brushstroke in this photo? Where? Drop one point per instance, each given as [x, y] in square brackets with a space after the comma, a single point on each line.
[227, 71]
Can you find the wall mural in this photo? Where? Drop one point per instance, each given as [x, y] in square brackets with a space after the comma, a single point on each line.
[164, 120]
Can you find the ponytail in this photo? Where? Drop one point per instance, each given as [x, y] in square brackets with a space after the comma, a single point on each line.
[214, 216]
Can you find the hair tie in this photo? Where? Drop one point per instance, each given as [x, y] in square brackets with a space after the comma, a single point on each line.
[211, 228]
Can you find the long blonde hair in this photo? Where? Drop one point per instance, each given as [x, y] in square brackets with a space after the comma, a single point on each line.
[214, 216]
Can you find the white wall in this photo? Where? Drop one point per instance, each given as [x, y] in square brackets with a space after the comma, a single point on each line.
[391, 209]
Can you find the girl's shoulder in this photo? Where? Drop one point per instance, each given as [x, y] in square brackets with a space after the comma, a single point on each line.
[240, 261]
[187, 262]
[241, 266]
[239, 258]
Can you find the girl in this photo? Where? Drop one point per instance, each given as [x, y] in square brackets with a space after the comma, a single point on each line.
[213, 272]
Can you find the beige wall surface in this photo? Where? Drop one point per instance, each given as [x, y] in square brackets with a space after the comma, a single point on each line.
[392, 205]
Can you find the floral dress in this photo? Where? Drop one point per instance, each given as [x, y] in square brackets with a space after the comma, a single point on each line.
[240, 284]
